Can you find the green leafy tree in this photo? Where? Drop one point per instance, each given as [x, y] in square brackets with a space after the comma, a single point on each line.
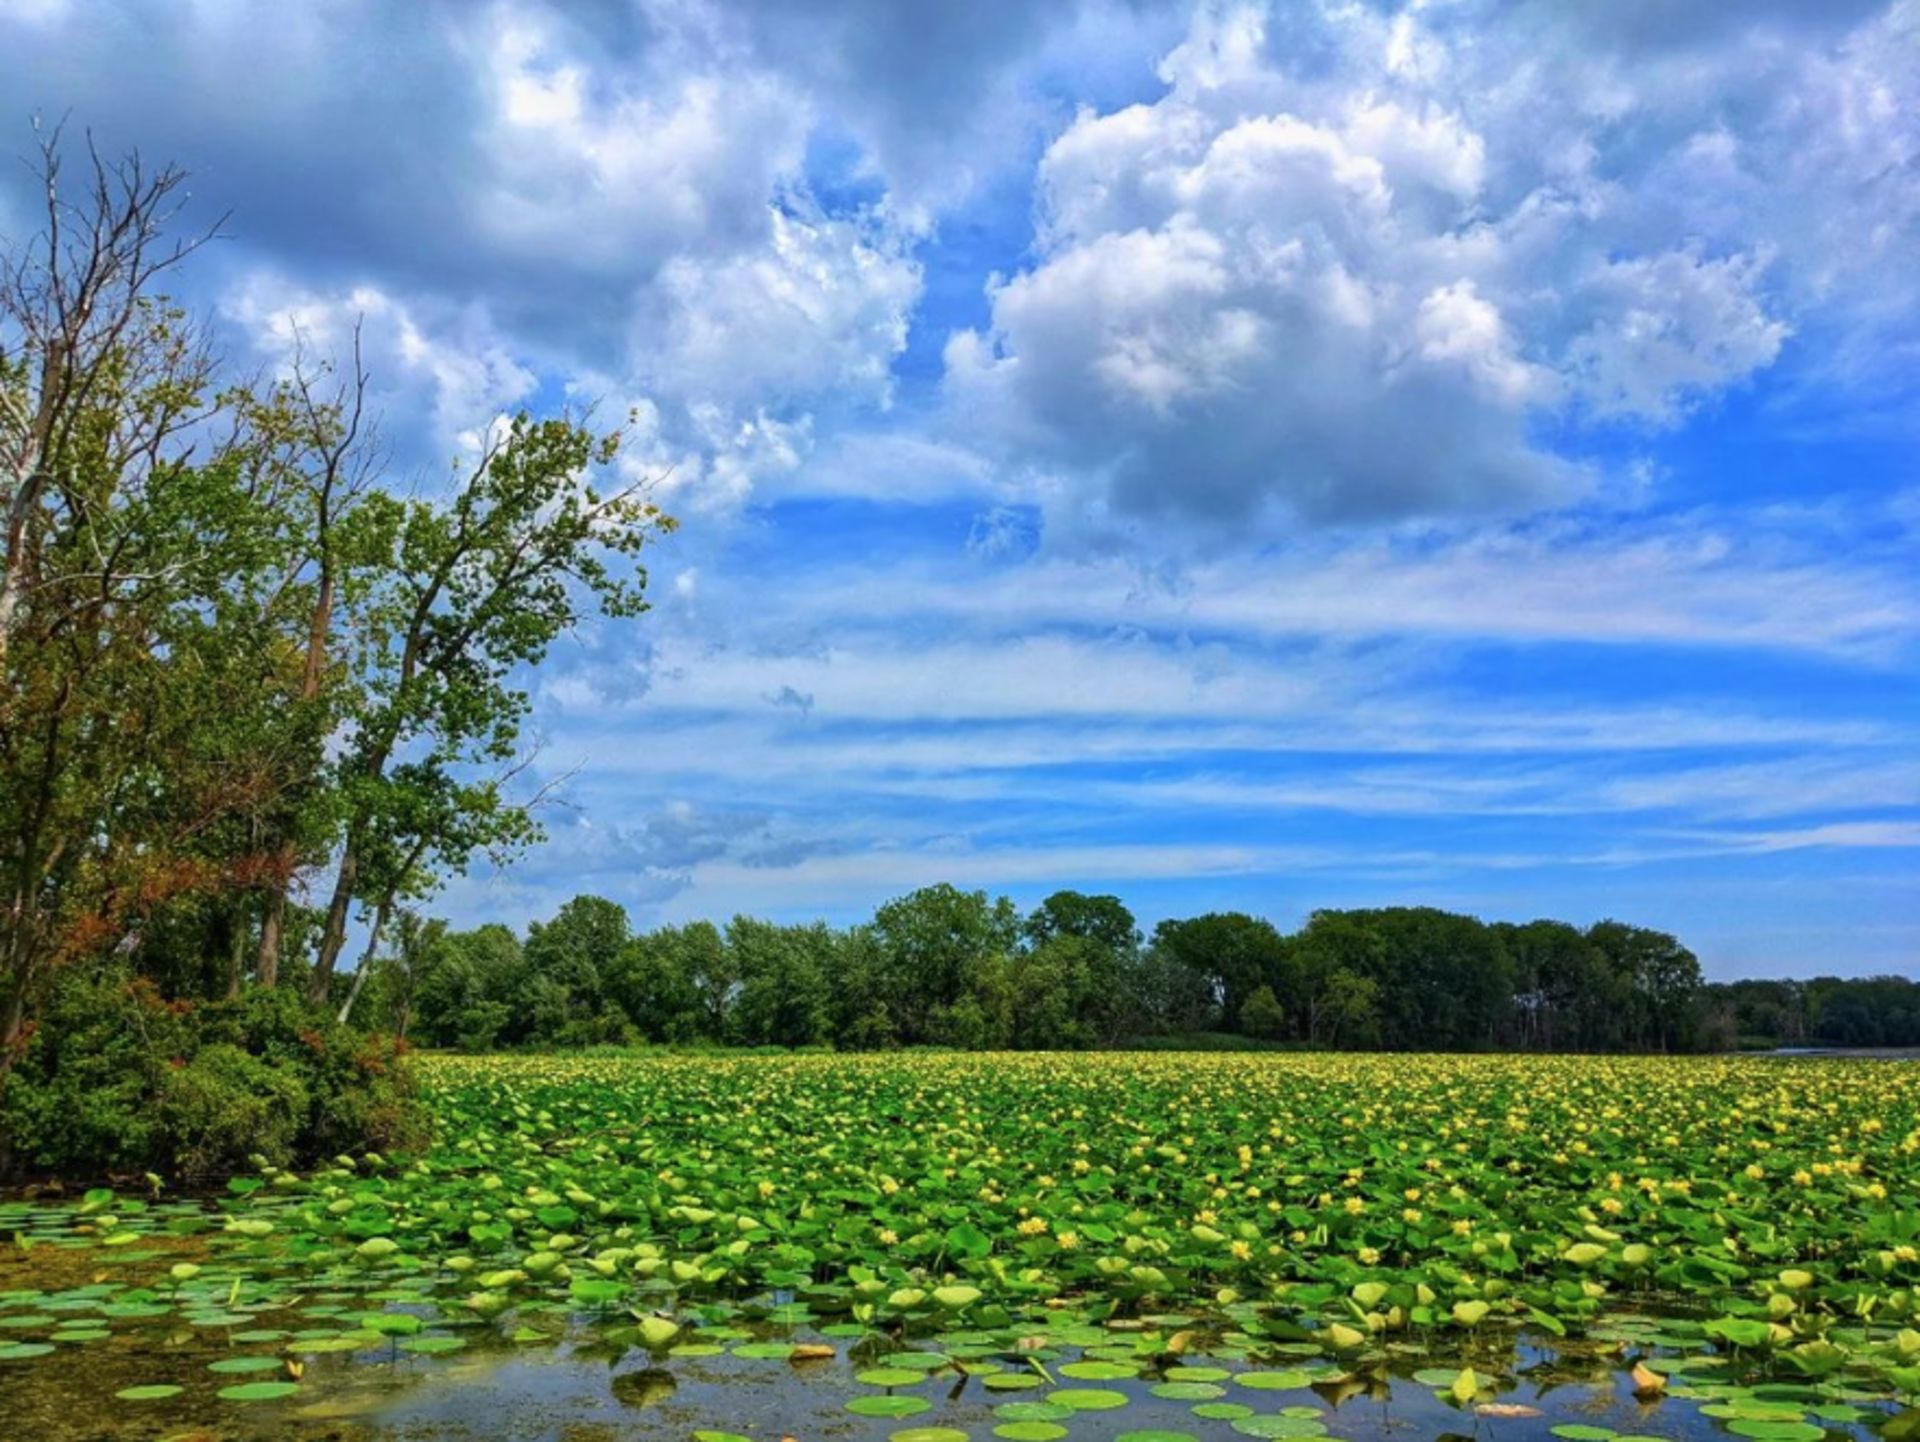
[1262, 1015]
[471, 590]
[785, 998]
[674, 983]
[944, 956]
[1230, 953]
[1664, 981]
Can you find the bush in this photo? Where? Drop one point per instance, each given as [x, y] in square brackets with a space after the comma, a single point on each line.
[120, 1080]
[225, 1104]
[1261, 1015]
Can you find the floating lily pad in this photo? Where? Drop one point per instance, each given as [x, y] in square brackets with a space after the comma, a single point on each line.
[1278, 1424]
[888, 1405]
[1189, 1391]
[245, 1364]
[259, 1391]
[433, 1346]
[1087, 1399]
[1098, 1371]
[149, 1392]
[1032, 1412]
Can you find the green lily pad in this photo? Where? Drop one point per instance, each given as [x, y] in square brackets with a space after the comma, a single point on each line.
[891, 1405]
[1098, 1371]
[245, 1364]
[1032, 1412]
[258, 1391]
[1278, 1424]
[891, 1377]
[1189, 1391]
[1088, 1399]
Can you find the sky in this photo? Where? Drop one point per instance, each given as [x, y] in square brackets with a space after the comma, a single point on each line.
[1321, 454]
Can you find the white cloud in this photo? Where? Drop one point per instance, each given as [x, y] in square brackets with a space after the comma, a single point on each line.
[1672, 327]
[1346, 266]
[450, 362]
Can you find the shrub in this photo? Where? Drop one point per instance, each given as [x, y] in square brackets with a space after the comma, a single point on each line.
[118, 1079]
[225, 1104]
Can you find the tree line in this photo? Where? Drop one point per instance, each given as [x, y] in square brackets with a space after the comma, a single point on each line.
[947, 967]
[1874, 1011]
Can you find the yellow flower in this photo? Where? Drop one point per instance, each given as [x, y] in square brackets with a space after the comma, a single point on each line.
[1369, 1255]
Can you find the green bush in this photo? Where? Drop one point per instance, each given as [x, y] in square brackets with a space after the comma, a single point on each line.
[117, 1079]
[225, 1104]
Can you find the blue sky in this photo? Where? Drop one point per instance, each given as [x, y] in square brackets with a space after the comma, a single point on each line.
[1243, 456]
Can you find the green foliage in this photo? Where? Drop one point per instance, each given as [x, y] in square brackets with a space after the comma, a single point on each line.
[1262, 1015]
[224, 1105]
[1871, 1011]
[235, 652]
[953, 969]
[117, 1079]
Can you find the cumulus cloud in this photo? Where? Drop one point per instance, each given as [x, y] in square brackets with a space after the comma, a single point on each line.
[514, 197]
[1350, 266]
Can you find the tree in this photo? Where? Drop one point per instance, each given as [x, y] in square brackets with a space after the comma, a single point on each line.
[1103, 920]
[1664, 978]
[943, 965]
[1566, 995]
[1443, 980]
[141, 602]
[674, 984]
[93, 371]
[1328, 977]
[467, 592]
[1231, 953]
[1262, 1015]
[579, 947]
[1084, 951]
[784, 997]
[233, 653]
[856, 985]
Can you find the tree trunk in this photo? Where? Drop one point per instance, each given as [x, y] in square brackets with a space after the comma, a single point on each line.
[366, 959]
[333, 935]
[266, 962]
[19, 502]
[319, 624]
[13, 1028]
[237, 949]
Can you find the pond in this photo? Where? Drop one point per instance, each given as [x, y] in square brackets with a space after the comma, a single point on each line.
[928, 1248]
[167, 1337]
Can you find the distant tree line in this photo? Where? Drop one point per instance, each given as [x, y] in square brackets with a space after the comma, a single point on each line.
[1878, 1011]
[947, 967]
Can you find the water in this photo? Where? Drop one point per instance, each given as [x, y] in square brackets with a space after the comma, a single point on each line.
[568, 1383]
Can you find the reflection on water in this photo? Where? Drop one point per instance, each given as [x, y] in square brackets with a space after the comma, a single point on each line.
[379, 1359]
[582, 1390]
